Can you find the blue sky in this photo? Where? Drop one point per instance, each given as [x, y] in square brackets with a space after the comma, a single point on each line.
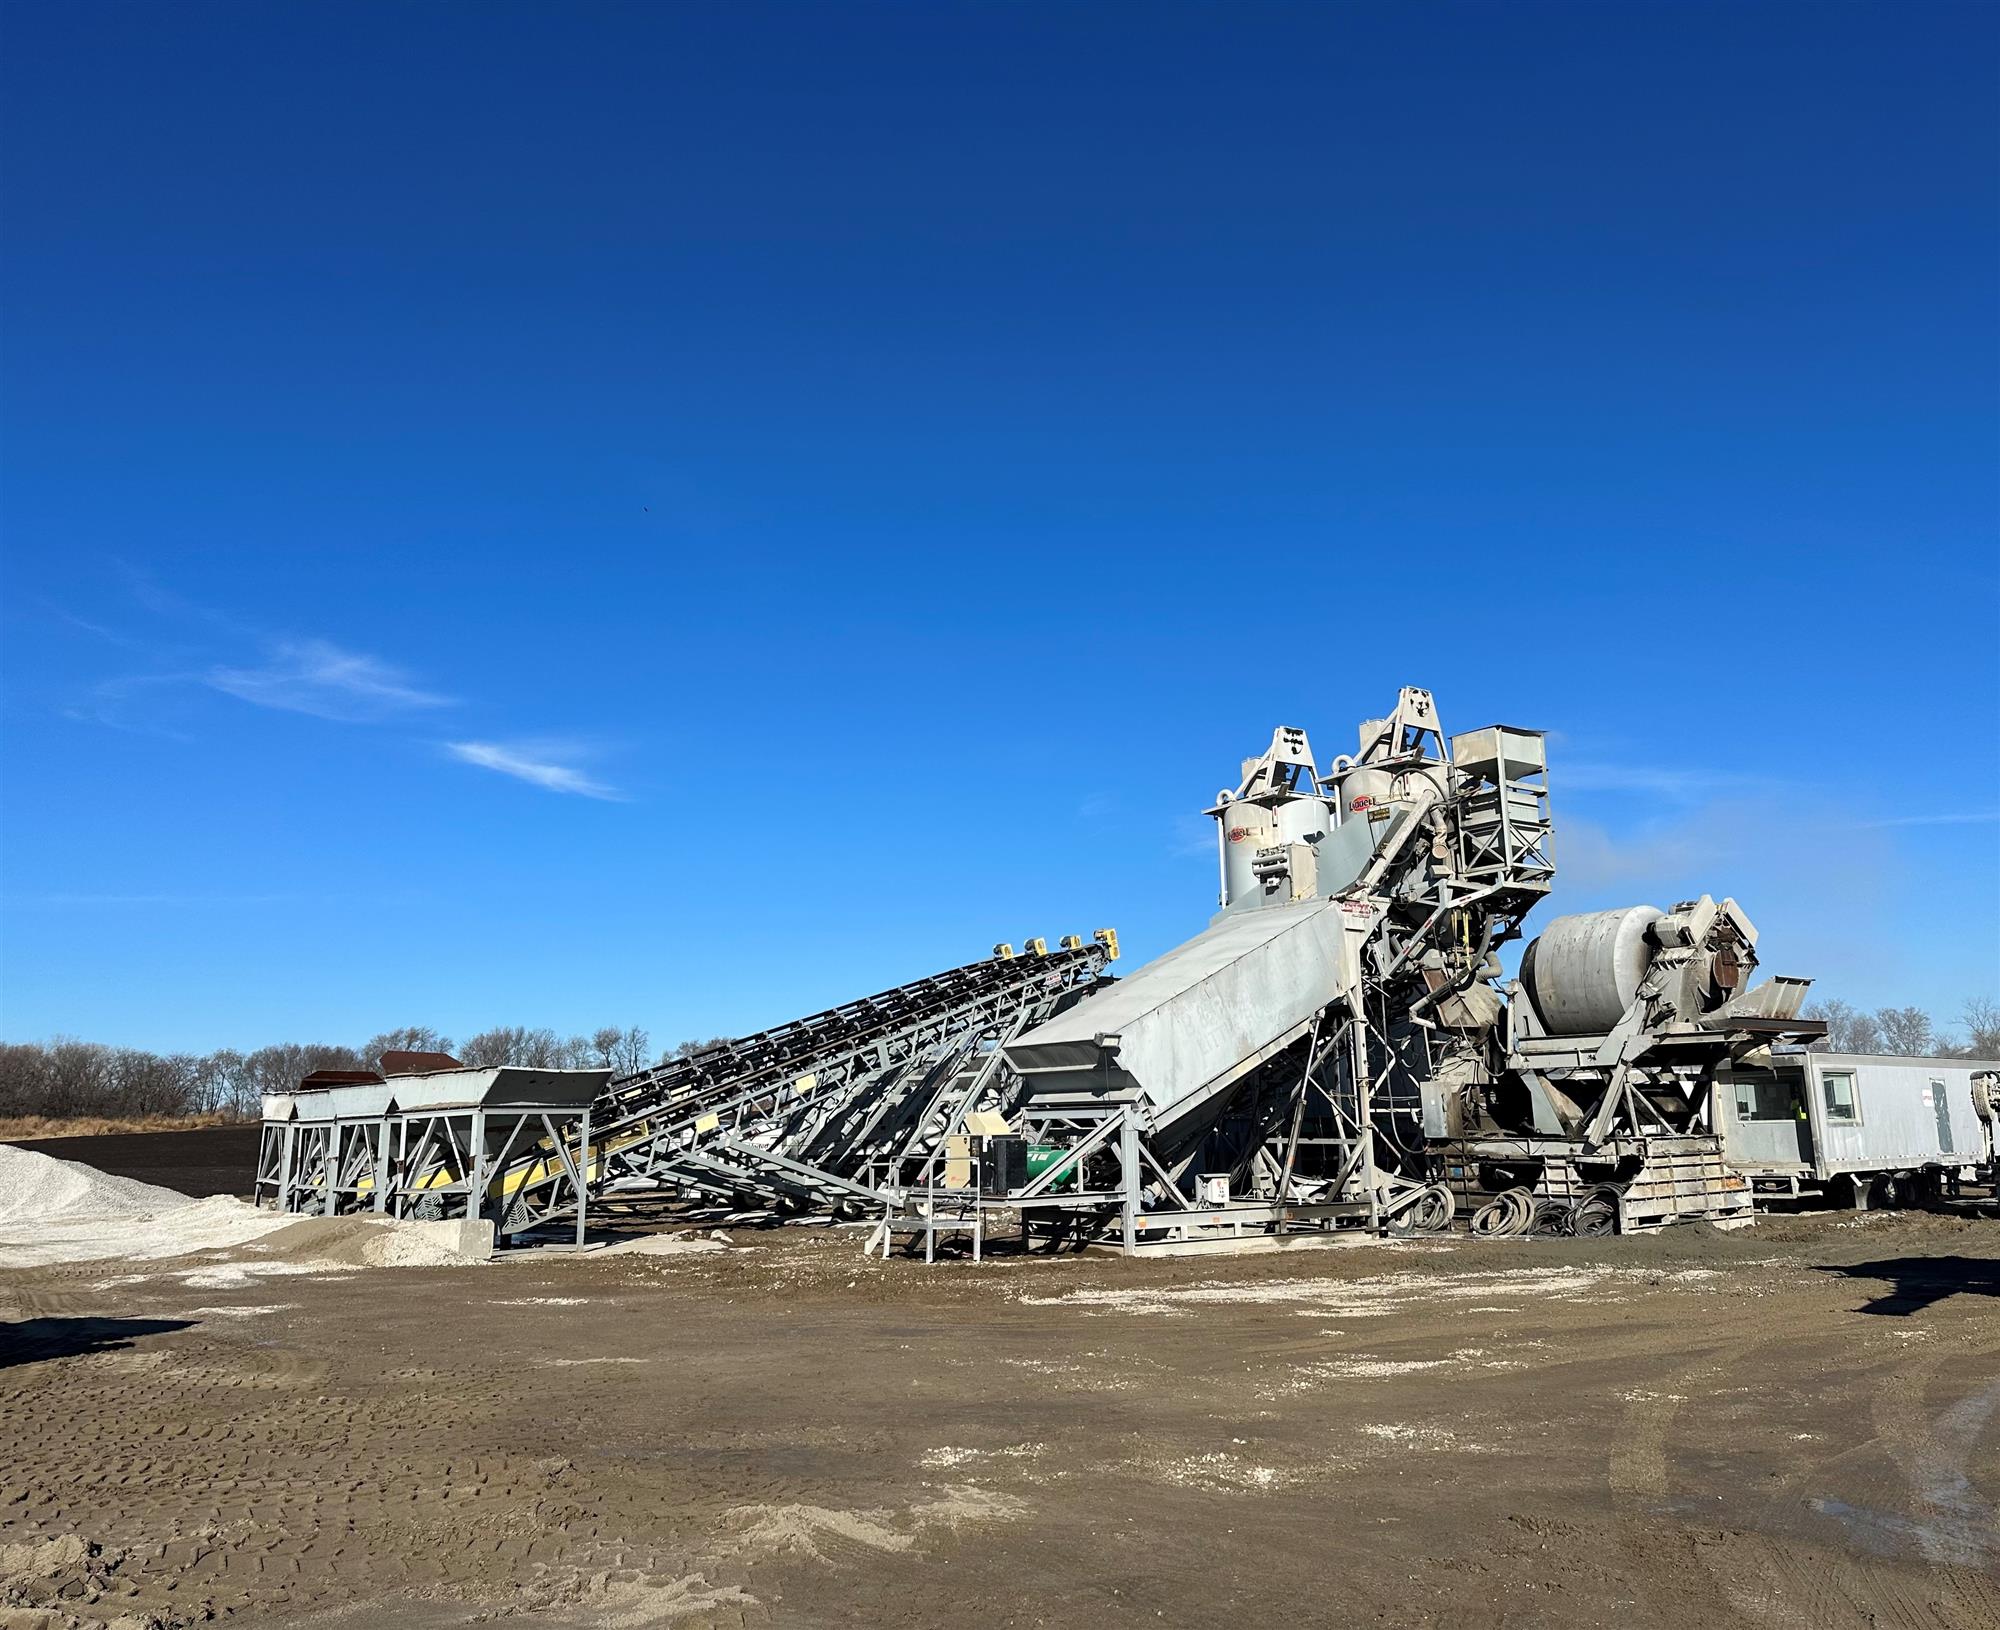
[681, 515]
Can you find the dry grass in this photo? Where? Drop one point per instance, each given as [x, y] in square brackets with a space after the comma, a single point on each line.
[21, 1128]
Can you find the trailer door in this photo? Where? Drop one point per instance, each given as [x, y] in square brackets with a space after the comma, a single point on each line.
[1940, 1102]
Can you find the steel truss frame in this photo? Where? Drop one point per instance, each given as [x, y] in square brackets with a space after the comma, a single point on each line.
[838, 1112]
[433, 1164]
[1144, 1195]
[326, 1168]
[522, 1168]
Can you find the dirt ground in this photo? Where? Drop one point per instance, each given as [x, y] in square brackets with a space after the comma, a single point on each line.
[45, 1128]
[1796, 1425]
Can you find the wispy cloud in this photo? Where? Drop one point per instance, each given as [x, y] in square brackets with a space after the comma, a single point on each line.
[320, 678]
[1589, 858]
[290, 673]
[1688, 789]
[111, 703]
[1664, 781]
[1975, 817]
[110, 636]
[163, 602]
[539, 763]
[194, 647]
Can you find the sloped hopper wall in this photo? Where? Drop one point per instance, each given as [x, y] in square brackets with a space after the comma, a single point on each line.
[1185, 1021]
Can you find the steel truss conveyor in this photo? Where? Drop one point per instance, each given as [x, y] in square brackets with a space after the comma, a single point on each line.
[832, 1113]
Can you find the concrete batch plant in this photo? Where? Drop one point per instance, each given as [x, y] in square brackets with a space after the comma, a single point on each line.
[1337, 1051]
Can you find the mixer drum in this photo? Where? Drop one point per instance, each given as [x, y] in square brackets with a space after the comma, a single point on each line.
[1583, 971]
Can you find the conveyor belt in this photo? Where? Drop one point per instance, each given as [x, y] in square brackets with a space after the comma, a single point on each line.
[819, 1112]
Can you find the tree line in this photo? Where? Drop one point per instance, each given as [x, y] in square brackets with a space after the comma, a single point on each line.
[67, 1079]
[1908, 1032]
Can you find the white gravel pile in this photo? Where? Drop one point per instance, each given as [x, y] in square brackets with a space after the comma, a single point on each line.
[54, 1211]
[60, 1211]
[39, 1188]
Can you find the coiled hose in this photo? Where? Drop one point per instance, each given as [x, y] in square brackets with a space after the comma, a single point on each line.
[1506, 1215]
[1597, 1212]
[1430, 1212]
[1553, 1217]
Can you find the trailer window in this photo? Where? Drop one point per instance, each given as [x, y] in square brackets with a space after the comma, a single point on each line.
[1840, 1102]
[1769, 1098]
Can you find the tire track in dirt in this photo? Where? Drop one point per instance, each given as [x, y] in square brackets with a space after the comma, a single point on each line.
[1768, 1579]
[445, 1446]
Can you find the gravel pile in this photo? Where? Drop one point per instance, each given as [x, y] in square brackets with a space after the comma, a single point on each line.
[37, 1188]
[59, 1211]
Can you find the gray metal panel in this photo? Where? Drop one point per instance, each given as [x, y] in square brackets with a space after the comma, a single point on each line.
[1508, 752]
[359, 1101]
[1974, 1065]
[1188, 1019]
[508, 1086]
[1765, 1145]
[1350, 846]
[446, 1089]
[550, 1089]
[309, 1104]
[1897, 1129]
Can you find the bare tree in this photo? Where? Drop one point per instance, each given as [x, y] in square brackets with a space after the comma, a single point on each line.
[144, 1083]
[1848, 1029]
[216, 1083]
[1906, 1031]
[63, 1077]
[283, 1067]
[628, 1056]
[415, 1038]
[621, 1051]
[24, 1079]
[79, 1079]
[537, 1050]
[1981, 1019]
[491, 1048]
[237, 1083]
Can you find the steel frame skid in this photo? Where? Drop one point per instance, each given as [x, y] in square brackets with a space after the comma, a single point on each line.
[1292, 1147]
[497, 1145]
